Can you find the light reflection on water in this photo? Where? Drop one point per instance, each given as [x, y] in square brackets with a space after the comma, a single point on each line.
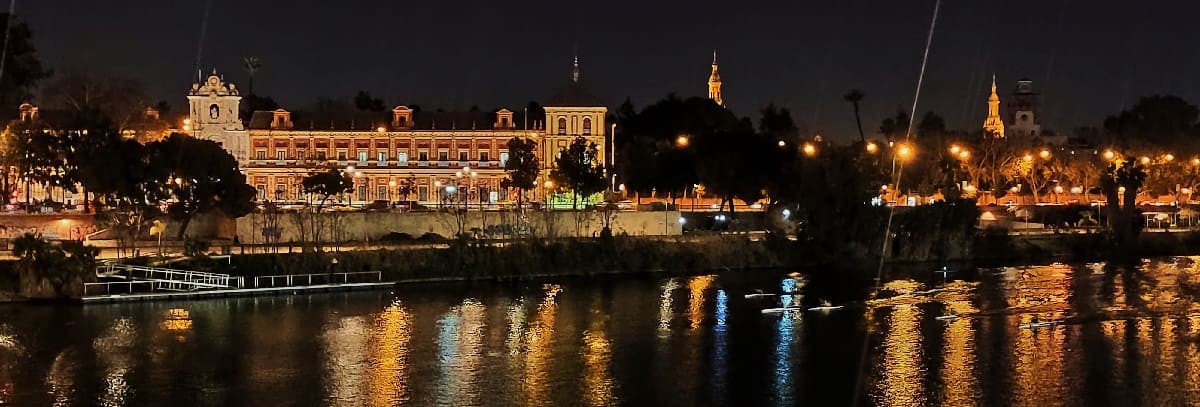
[1131, 337]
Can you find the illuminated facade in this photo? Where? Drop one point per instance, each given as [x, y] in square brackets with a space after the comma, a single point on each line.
[993, 126]
[401, 155]
[714, 83]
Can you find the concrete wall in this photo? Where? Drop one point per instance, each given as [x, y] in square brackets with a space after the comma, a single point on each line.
[362, 226]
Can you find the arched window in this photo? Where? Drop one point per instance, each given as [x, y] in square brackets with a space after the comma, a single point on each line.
[562, 126]
[587, 126]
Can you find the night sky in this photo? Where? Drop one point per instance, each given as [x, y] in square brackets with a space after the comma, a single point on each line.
[1087, 58]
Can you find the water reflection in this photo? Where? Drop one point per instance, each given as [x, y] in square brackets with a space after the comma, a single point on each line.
[460, 340]
[598, 386]
[389, 343]
[1130, 336]
[538, 352]
[115, 353]
[345, 345]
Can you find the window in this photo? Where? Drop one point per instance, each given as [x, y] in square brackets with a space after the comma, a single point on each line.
[362, 156]
[503, 158]
[587, 126]
[483, 156]
[321, 156]
[382, 156]
[362, 192]
[262, 191]
[443, 156]
[423, 156]
[260, 155]
[462, 156]
[562, 126]
[422, 193]
[381, 192]
[402, 158]
[402, 121]
[504, 122]
[342, 155]
[280, 189]
[280, 155]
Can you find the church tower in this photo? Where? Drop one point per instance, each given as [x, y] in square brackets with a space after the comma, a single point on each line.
[714, 83]
[214, 115]
[1023, 109]
[993, 126]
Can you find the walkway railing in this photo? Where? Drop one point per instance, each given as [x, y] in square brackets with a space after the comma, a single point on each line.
[299, 280]
[171, 279]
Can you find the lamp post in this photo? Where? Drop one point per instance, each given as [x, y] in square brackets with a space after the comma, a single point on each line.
[612, 154]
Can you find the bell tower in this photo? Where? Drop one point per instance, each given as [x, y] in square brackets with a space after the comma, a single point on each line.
[714, 83]
[213, 110]
[993, 126]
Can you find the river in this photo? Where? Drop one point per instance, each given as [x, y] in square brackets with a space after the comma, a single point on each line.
[1130, 340]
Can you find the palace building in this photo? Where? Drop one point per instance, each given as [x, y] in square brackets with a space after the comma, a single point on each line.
[400, 155]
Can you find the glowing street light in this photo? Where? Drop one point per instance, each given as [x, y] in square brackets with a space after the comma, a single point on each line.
[905, 151]
[1196, 161]
[1109, 154]
[954, 148]
[1058, 189]
[1076, 190]
[1028, 157]
[810, 149]
[682, 140]
[782, 143]
[872, 147]
[1145, 160]
[1168, 157]
[1045, 154]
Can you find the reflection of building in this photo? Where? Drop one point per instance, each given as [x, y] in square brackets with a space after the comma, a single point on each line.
[1023, 108]
[993, 126]
[388, 150]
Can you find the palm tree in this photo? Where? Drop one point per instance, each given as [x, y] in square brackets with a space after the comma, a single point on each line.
[251, 65]
[855, 96]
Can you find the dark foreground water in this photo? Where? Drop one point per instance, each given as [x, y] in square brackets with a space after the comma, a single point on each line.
[1132, 341]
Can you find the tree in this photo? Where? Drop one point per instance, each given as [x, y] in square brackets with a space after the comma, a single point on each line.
[49, 271]
[204, 179]
[1120, 183]
[522, 168]
[21, 71]
[854, 97]
[578, 168]
[326, 184]
[1164, 120]
[121, 100]
[736, 164]
[363, 101]
[251, 65]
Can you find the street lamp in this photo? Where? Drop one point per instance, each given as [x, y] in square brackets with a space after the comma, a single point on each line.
[1109, 155]
[905, 151]
[1145, 160]
[872, 147]
[682, 140]
[1044, 154]
[810, 149]
[954, 149]
[782, 144]
[612, 153]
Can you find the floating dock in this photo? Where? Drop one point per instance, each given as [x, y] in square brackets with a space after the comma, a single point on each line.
[235, 292]
[140, 283]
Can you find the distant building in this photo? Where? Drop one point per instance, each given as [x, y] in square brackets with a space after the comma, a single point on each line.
[714, 83]
[386, 151]
[993, 125]
[1023, 111]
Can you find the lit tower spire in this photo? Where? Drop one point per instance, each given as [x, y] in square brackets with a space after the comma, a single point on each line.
[575, 70]
[993, 126]
[714, 82]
